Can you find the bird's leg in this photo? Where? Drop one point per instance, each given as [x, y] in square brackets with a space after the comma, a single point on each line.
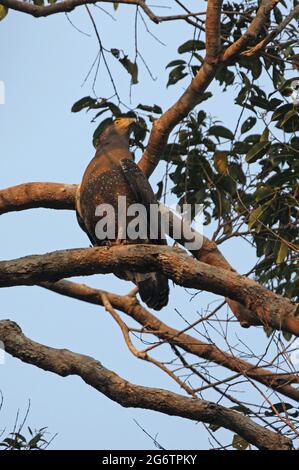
[121, 242]
[108, 243]
[121, 236]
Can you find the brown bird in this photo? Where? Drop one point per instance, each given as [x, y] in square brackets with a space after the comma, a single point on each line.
[110, 174]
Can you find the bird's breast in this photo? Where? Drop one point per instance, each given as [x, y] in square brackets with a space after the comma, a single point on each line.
[104, 194]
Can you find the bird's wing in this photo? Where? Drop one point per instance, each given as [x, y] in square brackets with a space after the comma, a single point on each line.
[138, 182]
[79, 216]
[143, 193]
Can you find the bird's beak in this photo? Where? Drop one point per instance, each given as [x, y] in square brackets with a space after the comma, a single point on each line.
[131, 121]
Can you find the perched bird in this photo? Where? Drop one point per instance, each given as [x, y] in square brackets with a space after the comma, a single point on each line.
[110, 174]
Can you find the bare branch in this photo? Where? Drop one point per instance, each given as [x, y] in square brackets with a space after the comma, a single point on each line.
[270, 308]
[64, 362]
[32, 195]
[140, 354]
[210, 352]
[253, 30]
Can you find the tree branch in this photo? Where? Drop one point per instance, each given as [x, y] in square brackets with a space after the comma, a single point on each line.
[163, 126]
[32, 195]
[213, 31]
[64, 363]
[209, 352]
[65, 6]
[271, 309]
[62, 196]
[253, 30]
[262, 44]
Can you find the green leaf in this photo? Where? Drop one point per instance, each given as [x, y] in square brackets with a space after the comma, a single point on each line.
[214, 427]
[131, 68]
[108, 105]
[34, 441]
[3, 12]
[260, 102]
[257, 151]
[290, 122]
[12, 443]
[192, 45]
[255, 216]
[265, 135]
[160, 190]
[174, 63]
[151, 109]
[248, 124]
[280, 112]
[287, 336]
[256, 68]
[282, 253]
[280, 407]
[176, 74]
[85, 102]
[221, 162]
[263, 192]
[241, 147]
[242, 409]
[221, 131]
[239, 443]
[277, 15]
[204, 96]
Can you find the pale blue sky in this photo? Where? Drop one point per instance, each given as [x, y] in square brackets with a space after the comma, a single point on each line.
[43, 63]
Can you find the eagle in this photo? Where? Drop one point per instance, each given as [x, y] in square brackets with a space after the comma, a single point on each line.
[112, 174]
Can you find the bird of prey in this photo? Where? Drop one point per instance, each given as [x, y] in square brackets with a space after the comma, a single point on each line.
[110, 174]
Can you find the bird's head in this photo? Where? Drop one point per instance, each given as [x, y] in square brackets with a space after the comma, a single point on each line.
[124, 125]
[120, 129]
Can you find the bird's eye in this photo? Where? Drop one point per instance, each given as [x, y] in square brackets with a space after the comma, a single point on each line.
[117, 121]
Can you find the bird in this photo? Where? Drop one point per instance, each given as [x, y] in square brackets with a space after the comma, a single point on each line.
[110, 174]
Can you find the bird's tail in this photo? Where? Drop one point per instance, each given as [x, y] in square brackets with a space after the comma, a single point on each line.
[153, 289]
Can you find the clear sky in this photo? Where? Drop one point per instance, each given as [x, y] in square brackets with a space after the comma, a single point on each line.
[43, 64]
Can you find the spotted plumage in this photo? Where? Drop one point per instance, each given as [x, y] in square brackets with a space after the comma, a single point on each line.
[110, 174]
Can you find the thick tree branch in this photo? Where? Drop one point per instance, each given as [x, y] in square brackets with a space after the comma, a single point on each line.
[176, 113]
[271, 309]
[213, 31]
[207, 351]
[62, 196]
[32, 195]
[163, 126]
[64, 362]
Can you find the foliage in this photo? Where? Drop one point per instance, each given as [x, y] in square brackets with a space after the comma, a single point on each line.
[24, 439]
[34, 441]
[247, 179]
